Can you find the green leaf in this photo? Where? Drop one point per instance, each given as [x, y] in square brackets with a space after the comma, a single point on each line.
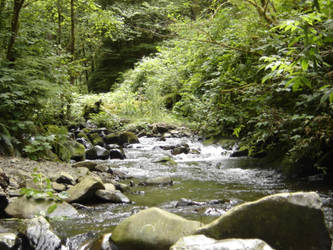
[51, 208]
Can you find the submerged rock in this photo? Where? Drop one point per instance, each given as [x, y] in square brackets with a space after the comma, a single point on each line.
[39, 234]
[156, 181]
[201, 242]
[152, 229]
[284, 221]
[84, 190]
[23, 207]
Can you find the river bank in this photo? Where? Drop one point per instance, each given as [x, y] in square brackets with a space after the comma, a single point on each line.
[201, 185]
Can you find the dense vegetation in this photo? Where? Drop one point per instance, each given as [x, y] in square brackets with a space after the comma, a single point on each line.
[257, 70]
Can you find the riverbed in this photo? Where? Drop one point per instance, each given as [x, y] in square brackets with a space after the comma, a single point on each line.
[206, 183]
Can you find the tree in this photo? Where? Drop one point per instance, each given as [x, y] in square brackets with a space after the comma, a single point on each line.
[18, 4]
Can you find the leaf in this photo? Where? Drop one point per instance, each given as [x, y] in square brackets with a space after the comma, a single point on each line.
[305, 64]
[51, 208]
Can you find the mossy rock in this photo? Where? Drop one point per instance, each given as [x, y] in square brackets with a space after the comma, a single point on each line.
[96, 139]
[152, 229]
[121, 138]
[78, 152]
[285, 221]
[83, 135]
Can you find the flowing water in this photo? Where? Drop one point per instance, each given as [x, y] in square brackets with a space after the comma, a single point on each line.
[209, 180]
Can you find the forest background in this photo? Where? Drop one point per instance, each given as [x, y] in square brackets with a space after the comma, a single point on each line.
[259, 71]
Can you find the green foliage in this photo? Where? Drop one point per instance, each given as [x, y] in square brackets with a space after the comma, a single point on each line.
[260, 74]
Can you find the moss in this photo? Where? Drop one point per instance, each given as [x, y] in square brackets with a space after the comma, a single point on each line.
[78, 152]
[96, 139]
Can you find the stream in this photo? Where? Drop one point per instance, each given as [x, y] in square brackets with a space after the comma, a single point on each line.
[206, 183]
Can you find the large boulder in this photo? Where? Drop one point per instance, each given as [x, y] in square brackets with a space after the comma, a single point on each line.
[201, 242]
[40, 236]
[97, 153]
[23, 207]
[285, 221]
[121, 138]
[84, 190]
[152, 229]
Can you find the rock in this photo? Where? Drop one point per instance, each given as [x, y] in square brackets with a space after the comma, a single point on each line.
[81, 172]
[284, 221]
[181, 149]
[101, 243]
[84, 190]
[112, 196]
[85, 142]
[117, 154]
[166, 160]
[10, 241]
[97, 152]
[78, 152]
[121, 139]
[121, 186]
[25, 208]
[112, 146]
[201, 242]
[104, 168]
[65, 178]
[86, 164]
[3, 203]
[58, 187]
[152, 229]
[109, 187]
[39, 234]
[4, 180]
[96, 139]
[240, 153]
[155, 181]
[187, 202]
[162, 128]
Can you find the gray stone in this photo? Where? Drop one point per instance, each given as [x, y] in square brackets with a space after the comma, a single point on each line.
[9, 241]
[201, 242]
[58, 187]
[86, 164]
[152, 229]
[84, 190]
[23, 207]
[97, 153]
[39, 234]
[117, 154]
[65, 178]
[102, 168]
[112, 196]
[284, 221]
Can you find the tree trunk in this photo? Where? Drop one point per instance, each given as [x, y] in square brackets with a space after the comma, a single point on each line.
[14, 28]
[72, 45]
[2, 7]
[60, 17]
